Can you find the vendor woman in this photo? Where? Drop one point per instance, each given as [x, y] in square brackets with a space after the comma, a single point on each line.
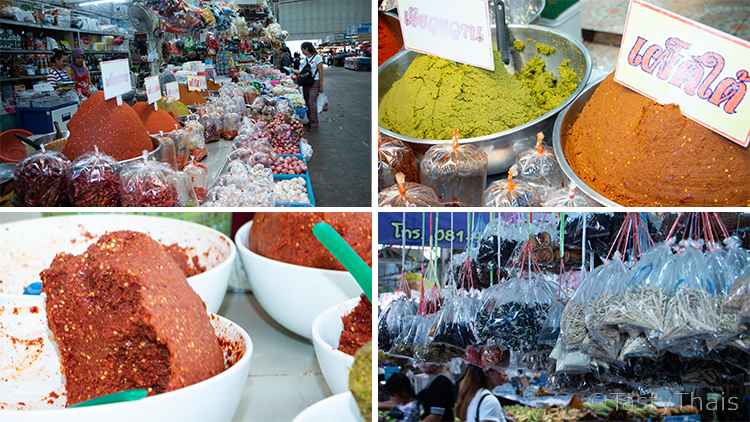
[58, 74]
[80, 73]
[476, 403]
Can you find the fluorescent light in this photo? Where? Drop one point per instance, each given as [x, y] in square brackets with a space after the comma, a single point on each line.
[98, 2]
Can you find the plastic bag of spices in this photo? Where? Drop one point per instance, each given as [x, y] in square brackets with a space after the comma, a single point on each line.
[196, 133]
[511, 193]
[408, 194]
[395, 157]
[212, 125]
[93, 181]
[198, 174]
[457, 173]
[539, 166]
[148, 183]
[40, 179]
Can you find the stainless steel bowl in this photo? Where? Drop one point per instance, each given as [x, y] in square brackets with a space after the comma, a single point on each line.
[502, 147]
[564, 121]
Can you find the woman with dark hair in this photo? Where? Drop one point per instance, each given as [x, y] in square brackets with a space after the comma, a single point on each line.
[475, 401]
[311, 79]
[402, 405]
[58, 74]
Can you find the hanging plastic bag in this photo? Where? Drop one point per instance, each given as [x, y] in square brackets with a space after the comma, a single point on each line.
[454, 330]
[407, 194]
[457, 172]
[392, 321]
[93, 181]
[510, 193]
[322, 102]
[395, 157]
[606, 340]
[40, 179]
[148, 183]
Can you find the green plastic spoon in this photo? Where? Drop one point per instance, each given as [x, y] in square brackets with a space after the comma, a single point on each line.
[129, 395]
[343, 252]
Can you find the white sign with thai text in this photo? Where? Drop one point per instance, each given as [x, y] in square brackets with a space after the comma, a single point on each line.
[674, 60]
[455, 31]
[153, 89]
[116, 78]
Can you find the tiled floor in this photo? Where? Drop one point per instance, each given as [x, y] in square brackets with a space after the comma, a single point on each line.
[732, 16]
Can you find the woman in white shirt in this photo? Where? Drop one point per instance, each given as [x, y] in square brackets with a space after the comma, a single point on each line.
[476, 403]
[311, 92]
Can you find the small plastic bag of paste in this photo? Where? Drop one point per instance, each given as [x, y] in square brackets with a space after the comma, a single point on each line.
[408, 194]
[93, 181]
[570, 196]
[538, 165]
[510, 193]
[40, 179]
[457, 173]
[395, 157]
[148, 183]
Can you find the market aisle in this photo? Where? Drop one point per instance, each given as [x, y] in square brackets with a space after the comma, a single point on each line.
[340, 168]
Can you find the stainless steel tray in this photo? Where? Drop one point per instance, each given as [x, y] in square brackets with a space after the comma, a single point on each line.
[501, 147]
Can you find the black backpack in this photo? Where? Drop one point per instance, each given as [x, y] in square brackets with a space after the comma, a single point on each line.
[307, 75]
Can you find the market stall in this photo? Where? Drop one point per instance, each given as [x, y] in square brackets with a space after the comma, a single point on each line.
[203, 118]
[585, 316]
[231, 354]
[536, 127]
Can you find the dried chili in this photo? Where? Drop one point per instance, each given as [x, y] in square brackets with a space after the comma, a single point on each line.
[390, 40]
[357, 327]
[155, 121]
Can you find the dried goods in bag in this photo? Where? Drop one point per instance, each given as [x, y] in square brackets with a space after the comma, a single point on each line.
[148, 183]
[453, 331]
[391, 321]
[408, 194]
[40, 179]
[93, 181]
[457, 172]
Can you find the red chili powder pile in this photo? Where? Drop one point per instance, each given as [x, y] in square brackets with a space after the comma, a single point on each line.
[390, 40]
[192, 97]
[115, 130]
[357, 327]
[155, 120]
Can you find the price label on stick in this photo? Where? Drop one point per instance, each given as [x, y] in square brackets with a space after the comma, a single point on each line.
[153, 89]
[441, 28]
[115, 78]
[674, 60]
[196, 83]
[173, 91]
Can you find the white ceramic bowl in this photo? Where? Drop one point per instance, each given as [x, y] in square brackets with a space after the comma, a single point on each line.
[326, 331]
[28, 247]
[213, 400]
[339, 408]
[292, 294]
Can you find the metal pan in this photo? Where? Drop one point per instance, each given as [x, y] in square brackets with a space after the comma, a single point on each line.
[501, 147]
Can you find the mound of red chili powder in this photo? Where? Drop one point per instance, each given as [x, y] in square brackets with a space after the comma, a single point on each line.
[116, 130]
[155, 121]
[124, 317]
[357, 327]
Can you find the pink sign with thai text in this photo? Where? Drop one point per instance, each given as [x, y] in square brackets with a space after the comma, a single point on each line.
[674, 60]
[444, 28]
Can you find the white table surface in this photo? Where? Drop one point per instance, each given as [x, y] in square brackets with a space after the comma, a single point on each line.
[284, 375]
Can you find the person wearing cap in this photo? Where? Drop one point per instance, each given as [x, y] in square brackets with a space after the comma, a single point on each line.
[80, 73]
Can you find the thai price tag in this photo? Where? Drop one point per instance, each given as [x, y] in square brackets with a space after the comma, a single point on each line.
[674, 60]
[116, 78]
[441, 28]
[153, 89]
[196, 83]
[173, 91]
